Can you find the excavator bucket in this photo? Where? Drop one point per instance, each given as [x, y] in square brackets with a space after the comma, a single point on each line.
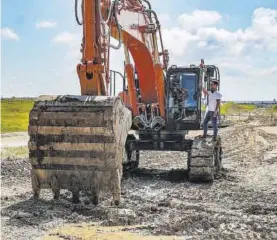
[77, 143]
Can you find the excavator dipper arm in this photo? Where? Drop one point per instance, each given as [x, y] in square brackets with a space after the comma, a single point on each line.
[91, 69]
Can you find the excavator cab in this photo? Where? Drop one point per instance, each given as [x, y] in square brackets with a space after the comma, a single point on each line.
[183, 97]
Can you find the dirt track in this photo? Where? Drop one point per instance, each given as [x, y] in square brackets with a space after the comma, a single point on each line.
[242, 204]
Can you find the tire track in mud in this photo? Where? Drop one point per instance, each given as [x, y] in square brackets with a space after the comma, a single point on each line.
[231, 208]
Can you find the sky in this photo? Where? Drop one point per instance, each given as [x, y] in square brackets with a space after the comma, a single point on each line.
[40, 45]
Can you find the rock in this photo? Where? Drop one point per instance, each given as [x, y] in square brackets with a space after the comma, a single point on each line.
[141, 214]
[117, 217]
[86, 201]
[21, 215]
[35, 214]
[164, 204]
[154, 209]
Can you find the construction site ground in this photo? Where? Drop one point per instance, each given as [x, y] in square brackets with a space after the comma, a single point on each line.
[157, 199]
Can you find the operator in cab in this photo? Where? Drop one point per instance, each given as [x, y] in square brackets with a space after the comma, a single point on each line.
[214, 98]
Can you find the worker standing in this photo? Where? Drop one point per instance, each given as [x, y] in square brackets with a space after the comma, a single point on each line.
[212, 110]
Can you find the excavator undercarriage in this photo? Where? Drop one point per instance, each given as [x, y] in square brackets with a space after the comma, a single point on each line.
[204, 156]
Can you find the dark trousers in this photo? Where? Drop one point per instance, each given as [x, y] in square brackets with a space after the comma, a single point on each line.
[209, 116]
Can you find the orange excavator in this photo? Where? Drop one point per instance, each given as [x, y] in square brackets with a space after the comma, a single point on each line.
[80, 143]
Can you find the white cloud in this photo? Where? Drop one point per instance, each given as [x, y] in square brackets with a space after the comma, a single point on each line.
[199, 18]
[265, 21]
[177, 40]
[260, 36]
[64, 37]
[202, 44]
[199, 28]
[245, 56]
[46, 24]
[266, 72]
[7, 33]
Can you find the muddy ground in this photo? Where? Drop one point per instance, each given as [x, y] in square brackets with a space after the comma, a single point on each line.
[242, 204]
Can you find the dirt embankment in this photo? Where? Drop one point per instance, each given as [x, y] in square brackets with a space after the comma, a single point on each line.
[242, 204]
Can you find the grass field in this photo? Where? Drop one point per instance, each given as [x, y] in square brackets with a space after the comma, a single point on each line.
[14, 152]
[234, 108]
[274, 108]
[15, 115]
[231, 107]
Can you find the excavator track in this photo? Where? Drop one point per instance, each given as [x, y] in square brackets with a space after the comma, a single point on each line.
[205, 159]
[77, 143]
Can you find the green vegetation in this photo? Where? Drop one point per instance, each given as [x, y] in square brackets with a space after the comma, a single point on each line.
[234, 108]
[274, 108]
[15, 114]
[14, 152]
[231, 107]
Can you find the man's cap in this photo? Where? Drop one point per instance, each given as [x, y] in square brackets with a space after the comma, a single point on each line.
[215, 81]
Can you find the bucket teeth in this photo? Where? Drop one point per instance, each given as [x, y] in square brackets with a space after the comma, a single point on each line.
[55, 187]
[77, 143]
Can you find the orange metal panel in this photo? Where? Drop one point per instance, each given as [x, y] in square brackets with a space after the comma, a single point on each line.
[92, 86]
[144, 65]
[89, 29]
[131, 87]
[91, 69]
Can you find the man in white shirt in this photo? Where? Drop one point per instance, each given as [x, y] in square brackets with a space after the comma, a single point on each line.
[214, 98]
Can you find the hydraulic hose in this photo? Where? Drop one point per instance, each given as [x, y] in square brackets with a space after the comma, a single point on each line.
[148, 3]
[118, 28]
[103, 23]
[159, 27]
[76, 12]
[100, 14]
